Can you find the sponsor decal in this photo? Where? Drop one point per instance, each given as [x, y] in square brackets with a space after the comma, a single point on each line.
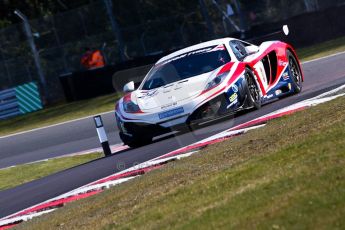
[168, 105]
[150, 93]
[278, 92]
[171, 113]
[286, 76]
[233, 97]
[269, 96]
[234, 88]
[282, 63]
[289, 85]
[232, 103]
[219, 47]
[195, 52]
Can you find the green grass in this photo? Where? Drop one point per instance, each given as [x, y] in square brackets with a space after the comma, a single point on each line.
[69, 111]
[20, 174]
[321, 50]
[58, 113]
[287, 175]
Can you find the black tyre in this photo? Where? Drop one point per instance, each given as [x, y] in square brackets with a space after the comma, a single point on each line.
[135, 141]
[295, 72]
[253, 90]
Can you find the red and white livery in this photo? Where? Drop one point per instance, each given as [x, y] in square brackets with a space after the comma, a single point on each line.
[200, 83]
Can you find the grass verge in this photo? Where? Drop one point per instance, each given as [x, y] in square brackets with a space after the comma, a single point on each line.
[69, 111]
[322, 49]
[11, 177]
[287, 175]
[58, 113]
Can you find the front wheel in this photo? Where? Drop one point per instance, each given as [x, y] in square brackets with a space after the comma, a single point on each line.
[135, 141]
[295, 73]
[253, 90]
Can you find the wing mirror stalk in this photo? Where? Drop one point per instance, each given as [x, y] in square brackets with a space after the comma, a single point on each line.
[129, 87]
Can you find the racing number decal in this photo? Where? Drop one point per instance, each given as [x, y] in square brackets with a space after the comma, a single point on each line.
[259, 68]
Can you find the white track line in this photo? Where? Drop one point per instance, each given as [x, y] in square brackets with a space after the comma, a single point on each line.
[57, 124]
[24, 217]
[90, 186]
[114, 149]
[325, 57]
[82, 118]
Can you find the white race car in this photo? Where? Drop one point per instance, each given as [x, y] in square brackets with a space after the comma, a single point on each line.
[203, 82]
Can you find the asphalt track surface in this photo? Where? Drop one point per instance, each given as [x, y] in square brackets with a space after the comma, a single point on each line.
[320, 76]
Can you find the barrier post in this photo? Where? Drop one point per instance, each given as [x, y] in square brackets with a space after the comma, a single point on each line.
[102, 136]
[35, 53]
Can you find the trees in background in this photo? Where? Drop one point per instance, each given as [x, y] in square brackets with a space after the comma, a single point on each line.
[35, 8]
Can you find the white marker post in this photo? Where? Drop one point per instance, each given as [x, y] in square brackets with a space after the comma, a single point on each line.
[102, 135]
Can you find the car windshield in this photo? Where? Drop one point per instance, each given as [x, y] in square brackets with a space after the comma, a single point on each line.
[186, 65]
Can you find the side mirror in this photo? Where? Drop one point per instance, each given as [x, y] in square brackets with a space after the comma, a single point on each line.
[286, 30]
[129, 87]
[252, 49]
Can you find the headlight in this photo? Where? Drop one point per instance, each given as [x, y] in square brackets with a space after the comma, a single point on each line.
[130, 107]
[217, 80]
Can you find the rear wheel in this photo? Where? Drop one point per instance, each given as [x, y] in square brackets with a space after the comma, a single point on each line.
[253, 89]
[135, 140]
[295, 73]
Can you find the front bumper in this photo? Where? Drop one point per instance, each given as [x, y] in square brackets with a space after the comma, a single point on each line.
[217, 106]
[198, 110]
[142, 128]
